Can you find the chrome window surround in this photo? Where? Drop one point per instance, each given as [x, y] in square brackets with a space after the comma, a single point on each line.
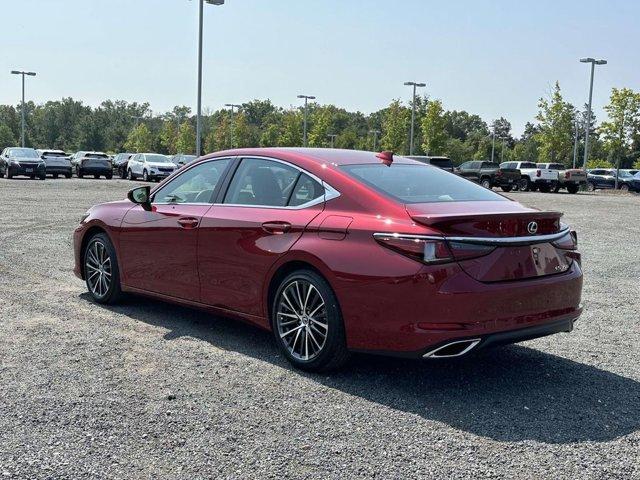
[329, 192]
[495, 241]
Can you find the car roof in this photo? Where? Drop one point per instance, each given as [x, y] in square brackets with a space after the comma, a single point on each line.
[334, 156]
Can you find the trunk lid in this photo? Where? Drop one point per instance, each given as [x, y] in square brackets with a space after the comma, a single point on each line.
[496, 230]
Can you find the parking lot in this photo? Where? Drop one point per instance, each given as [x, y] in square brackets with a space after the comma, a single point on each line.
[150, 390]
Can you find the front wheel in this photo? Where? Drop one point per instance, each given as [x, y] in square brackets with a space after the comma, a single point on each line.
[101, 272]
[130, 175]
[624, 187]
[145, 176]
[555, 187]
[486, 183]
[544, 188]
[109, 176]
[524, 184]
[307, 323]
[79, 173]
[591, 187]
[572, 188]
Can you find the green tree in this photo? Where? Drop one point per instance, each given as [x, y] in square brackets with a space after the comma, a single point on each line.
[322, 127]
[395, 128]
[186, 138]
[623, 123]
[6, 137]
[168, 137]
[434, 134]
[291, 132]
[555, 137]
[139, 139]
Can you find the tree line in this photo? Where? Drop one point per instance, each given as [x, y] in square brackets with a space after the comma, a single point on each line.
[116, 126]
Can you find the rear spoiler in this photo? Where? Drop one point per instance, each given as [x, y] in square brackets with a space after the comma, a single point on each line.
[435, 219]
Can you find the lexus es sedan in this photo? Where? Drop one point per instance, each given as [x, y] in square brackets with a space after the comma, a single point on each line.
[337, 251]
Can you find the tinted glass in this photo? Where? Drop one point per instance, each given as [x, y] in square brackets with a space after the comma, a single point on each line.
[96, 155]
[490, 165]
[528, 165]
[306, 190]
[420, 184]
[23, 153]
[441, 162]
[196, 185]
[157, 158]
[262, 182]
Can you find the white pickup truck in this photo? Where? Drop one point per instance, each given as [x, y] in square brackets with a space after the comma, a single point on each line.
[533, 178]
[569, 178]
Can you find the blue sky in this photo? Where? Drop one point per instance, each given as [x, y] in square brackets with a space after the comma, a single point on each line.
[493, 58]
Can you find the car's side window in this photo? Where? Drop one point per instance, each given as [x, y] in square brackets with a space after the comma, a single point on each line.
[195, 185]
[262, 182]
[306, 190]
[465, 165]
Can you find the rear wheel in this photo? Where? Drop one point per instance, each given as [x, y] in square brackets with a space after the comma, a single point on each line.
[101, 272]
[545, 188]
[572, 188]
[486, 183]
[55, 175]
[109, 176]
[130, 175]
[307, 323]
[123, 173]
[591, 187]
[145, 176]
[507, 188]
[524, 184]
[79, 173]
[42, 176]
[555, 187]
[624, 187]
[96, 176]
[7, 173]
[67, 175]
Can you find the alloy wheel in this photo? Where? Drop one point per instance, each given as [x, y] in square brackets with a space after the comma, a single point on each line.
[301, 319]
[98, 268]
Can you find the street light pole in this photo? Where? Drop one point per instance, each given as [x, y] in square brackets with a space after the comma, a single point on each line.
[332, 136]
[233, 124]
[199, 106]
[375, 138]
[493, 141]
[413, 111]
[31, 74]
[593, 63]
[306, 99]
[575, 143]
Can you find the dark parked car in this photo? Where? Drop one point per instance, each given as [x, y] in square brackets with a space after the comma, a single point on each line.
[16, 161]
[444, 163]
[92, 163]
[625, 177]
[120, 162]
[489, 174]
[338, 250]
[600, 178]
[181, 159]
[634, 183]
[56, 162]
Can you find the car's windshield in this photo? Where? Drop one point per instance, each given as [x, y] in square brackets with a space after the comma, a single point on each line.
[637, 176]
[156, 158]
[420, 184]
[23, 153]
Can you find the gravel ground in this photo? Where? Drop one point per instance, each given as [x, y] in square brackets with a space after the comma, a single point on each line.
[150, 390]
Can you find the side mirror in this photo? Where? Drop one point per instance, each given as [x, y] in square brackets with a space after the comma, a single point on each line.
[141, 196]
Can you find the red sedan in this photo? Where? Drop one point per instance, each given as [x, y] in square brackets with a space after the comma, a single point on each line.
[338, 251]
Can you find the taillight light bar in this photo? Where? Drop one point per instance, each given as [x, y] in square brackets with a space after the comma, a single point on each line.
[431, 250]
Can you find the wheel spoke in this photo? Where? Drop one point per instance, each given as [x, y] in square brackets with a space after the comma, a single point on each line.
[289, 332]
[316, 309]
[289, 305]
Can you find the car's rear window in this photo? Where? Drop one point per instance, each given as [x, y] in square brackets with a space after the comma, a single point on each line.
[528, 165]
[96, 155]
[420, 183]
[441, 162]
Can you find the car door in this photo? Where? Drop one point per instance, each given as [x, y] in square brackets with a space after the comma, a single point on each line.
[263, 212]
[158, 247]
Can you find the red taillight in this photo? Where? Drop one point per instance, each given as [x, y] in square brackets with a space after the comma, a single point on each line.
[424, 249]
[466, 251]
[567, 242]
[499, 173]
[567, 174]
[538, 173]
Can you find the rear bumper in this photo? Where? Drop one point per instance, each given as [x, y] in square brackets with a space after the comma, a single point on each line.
[96, 170]
[58, 169]
[506, 182]
[544, 181]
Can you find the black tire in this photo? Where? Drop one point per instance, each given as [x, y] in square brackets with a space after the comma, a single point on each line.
[8, 174]
[113, 292]
[79, 173]
[109, 176]
[67, 175]
[555, 187]
[624, 187]
[486, 183]
[42, 177]
[591, 187]
[123, 173]
[545, 188]
[332, 352]
[508, 188]
[130, 175]
[96, 176]
[145, 176]
[55, 175]
[525, 184]
[572, 188]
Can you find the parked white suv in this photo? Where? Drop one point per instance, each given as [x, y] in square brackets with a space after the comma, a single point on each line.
[149, 166]
[533, 178]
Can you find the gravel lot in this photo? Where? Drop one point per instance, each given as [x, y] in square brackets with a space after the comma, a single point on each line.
[150, 390]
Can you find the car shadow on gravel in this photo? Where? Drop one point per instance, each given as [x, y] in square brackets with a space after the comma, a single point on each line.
[506, 394]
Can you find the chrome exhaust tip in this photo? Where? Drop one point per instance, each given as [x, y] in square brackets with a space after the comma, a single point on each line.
[453, 349]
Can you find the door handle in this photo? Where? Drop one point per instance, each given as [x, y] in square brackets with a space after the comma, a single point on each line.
[188, 222]
[277, 228]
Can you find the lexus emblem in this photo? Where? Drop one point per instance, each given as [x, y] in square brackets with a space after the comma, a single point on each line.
[532, 227]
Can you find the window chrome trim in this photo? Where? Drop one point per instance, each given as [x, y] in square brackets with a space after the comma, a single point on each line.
[329, 192]
[494, 241]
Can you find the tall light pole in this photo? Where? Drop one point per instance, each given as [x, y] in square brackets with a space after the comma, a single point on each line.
[332, 137]
[233, 125]
[502, 152]
[493, 141]
[306, 100]
[375, 134]
[413, 111]
[31, 74]
[199, 109]
[593, 63]
[575, 143]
